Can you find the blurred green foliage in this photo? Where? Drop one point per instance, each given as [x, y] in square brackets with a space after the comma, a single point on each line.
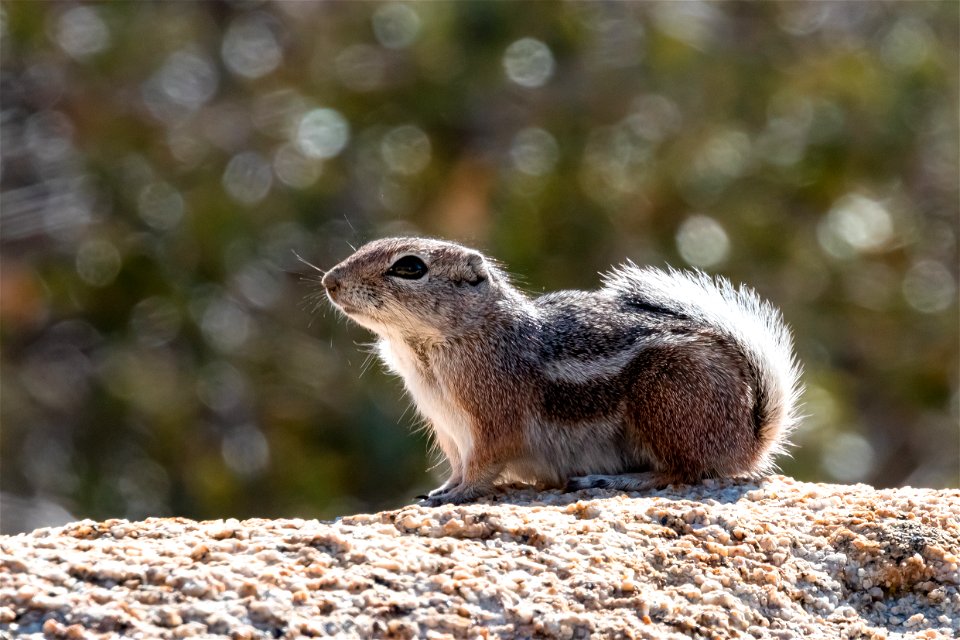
[162, 162]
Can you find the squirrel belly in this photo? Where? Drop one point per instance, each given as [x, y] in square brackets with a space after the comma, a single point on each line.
[657, 377]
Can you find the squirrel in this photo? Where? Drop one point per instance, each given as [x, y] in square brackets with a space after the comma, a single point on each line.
[657, 378]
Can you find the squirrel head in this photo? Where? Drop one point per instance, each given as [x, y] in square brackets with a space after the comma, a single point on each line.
[415, 288]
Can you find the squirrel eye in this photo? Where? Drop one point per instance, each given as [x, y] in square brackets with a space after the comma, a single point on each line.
[409, 267]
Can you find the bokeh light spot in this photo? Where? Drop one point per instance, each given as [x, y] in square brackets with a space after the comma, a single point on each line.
[908, 44]
[160, 206]
[616, 162]
[155, 321]
[49, 136]
[654, 117]
[406, 149]
[55, 373]
[726, 154]
[248, 177]
[260, 283]
[322, 133]
[185, 147]
[528, 62]
[702, 242]
[722, 159]
[98, 262]
[249, 48]
[854, 225]
[929, 287]
[534, 151]
[801, 18]
[821, 409]
[294, 169]
[188, 79]
[221, 387]
[396, 25]
[277, 113]
[361, 67]
[849, 458]
[81, 32]
[225, 325]
[693, 22]
[245, 451]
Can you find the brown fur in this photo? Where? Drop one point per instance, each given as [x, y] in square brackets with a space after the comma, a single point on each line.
[665, 372]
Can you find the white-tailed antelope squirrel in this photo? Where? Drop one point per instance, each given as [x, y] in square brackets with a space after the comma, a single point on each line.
[658, 377]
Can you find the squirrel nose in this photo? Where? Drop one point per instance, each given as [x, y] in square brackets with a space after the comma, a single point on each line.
[330, 282]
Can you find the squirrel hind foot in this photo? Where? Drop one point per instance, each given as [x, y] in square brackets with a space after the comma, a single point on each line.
[620, 482]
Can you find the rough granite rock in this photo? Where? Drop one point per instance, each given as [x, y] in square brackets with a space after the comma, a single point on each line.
[769, 559]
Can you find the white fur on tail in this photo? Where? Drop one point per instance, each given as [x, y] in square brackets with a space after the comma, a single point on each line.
[752, 323]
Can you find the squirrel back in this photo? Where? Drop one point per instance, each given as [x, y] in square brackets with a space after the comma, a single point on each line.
[657, 377]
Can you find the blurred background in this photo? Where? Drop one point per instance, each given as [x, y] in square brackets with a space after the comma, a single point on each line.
[162, 162]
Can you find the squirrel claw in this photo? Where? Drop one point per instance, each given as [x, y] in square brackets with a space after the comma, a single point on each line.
[437, 500]
[450, 496]
[442, 490]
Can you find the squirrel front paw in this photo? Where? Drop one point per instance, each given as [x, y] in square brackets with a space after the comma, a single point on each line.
[453, 495]
[439, 491]
[444, 488]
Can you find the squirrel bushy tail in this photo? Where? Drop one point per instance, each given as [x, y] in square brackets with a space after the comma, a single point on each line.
[749, 321]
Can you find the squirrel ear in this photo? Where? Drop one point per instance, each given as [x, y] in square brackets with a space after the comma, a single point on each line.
[475, 270]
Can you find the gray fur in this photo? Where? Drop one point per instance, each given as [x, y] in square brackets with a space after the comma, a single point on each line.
[669, 372]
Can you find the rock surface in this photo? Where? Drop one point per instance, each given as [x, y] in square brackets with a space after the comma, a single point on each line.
[770, 559]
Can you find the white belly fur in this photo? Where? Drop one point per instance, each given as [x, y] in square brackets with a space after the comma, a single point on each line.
[446, 418]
